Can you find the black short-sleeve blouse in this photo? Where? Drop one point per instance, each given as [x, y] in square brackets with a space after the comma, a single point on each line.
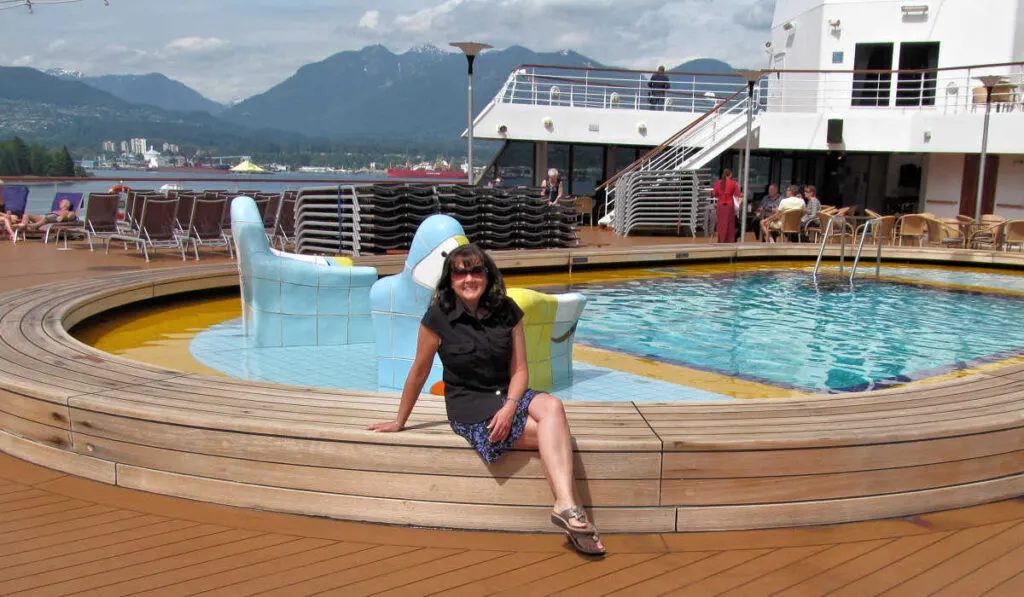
[476, 354]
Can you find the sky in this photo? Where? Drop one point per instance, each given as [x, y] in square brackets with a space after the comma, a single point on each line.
[232, 49]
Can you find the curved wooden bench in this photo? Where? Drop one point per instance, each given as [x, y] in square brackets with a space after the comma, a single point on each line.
[641, 467]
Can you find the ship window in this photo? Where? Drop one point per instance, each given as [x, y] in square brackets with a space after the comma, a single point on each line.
[872, 88]
[516, 164]
[587, 165]
[917, 89]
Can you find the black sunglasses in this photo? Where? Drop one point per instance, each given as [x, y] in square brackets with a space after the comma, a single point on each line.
[476, 270]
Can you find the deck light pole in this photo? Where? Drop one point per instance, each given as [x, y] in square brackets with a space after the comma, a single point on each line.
[470, 49]
[752, 77]
[989, 81]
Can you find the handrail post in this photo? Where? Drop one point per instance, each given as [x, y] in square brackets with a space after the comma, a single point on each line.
[878, 254]
[842, 242]
[586, 88]
[821, 250]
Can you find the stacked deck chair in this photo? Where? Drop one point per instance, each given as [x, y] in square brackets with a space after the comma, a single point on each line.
[324, 215]
[563, 219]
[385, 221]
[460, 202]
[421, 202]
[499, 208]
[533, 220]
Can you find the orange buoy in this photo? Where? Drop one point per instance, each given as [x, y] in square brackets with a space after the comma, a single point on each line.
[437, 389]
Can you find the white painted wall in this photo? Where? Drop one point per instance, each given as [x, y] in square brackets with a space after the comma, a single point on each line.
[970, 31]
[894, 131]
[943, 179]
[577, 125]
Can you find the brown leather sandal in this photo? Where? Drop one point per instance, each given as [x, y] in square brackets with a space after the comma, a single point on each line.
[584, 539]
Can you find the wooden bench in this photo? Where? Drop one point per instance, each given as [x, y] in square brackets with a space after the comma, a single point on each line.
[642, 467]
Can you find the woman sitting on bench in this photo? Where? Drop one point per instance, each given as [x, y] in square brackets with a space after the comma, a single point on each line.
[478, 332]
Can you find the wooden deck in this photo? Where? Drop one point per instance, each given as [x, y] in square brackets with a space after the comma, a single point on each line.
[67, 535]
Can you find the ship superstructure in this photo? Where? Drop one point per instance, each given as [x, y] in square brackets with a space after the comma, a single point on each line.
[879, 103]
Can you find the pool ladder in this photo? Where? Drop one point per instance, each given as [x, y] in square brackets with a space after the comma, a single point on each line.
[872, 223]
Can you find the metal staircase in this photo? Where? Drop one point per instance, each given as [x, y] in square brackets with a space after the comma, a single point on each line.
[640, 193]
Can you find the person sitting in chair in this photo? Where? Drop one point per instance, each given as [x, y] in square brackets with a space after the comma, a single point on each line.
[772, 224]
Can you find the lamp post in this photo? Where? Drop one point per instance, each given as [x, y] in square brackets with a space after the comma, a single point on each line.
[989, 81]
[470, 49]
[752, 77]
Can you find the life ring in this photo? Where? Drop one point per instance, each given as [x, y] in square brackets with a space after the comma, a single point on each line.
[119, 188]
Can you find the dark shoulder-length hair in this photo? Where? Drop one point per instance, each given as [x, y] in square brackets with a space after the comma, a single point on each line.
[470, 255]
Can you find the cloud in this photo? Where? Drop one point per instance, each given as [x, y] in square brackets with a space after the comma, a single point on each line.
[194, 45]
[370, 19]
[757, 17]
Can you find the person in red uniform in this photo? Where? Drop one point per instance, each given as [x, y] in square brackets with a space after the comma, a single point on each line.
[723, 192]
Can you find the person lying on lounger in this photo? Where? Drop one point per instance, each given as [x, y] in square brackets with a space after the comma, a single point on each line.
[63, 213]
[478, 332]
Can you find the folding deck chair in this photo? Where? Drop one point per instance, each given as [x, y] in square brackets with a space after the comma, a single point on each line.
[157, 227]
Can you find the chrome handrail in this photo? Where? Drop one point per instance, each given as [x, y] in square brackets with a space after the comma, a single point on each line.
[872, 223]
[821, 251]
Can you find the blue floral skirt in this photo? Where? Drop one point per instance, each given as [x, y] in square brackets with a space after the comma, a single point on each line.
[477, 433]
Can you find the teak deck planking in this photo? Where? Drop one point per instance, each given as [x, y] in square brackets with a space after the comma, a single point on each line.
[656, 467]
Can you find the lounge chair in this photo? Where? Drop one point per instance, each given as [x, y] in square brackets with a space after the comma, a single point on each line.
[157, 227]
[100, 220]
[51, 227]
[988, 233]
[204, 225]
[15, 200]
[284, 233]
[185, 202]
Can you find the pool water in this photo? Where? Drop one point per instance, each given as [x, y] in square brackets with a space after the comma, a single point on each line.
[694, 332]
[785, 329]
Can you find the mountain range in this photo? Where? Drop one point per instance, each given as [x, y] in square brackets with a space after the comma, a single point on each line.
[363, 95]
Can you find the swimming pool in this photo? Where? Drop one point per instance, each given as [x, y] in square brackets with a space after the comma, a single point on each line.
[785, 329]
[694, 332]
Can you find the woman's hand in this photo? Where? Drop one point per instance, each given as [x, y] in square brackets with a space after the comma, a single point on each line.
[501, 422]
[386, 427]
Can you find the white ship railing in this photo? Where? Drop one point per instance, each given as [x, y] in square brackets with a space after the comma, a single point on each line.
[943, 91]
[615, 89]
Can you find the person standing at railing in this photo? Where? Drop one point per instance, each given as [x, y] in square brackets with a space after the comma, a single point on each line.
[724, 192]
[552, 188]
[657, 86]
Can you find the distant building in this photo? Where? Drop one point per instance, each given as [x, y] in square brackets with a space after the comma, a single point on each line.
[170, 148]
[124, 147]
[108, 146]
[138, 145]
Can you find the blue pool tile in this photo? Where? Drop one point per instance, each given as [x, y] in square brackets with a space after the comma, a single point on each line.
[298, 300]
[332, 330]
[298, 330]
